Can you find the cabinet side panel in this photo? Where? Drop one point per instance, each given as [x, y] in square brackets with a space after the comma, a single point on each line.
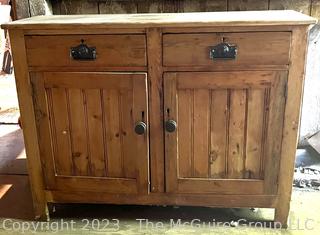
[28, 122]
[291, 121]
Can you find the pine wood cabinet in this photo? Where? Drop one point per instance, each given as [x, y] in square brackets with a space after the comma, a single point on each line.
[176, 109]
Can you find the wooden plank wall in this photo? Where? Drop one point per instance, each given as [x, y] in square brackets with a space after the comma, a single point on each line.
[27, 8]
[310, 7]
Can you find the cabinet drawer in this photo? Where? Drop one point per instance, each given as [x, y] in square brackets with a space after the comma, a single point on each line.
[258, 48]
[110, 50]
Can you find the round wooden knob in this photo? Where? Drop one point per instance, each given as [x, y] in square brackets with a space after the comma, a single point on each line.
[140, 128]
[171, 126]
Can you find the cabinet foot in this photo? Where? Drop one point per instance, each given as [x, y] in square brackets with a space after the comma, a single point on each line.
[281, 215]
[42, 213]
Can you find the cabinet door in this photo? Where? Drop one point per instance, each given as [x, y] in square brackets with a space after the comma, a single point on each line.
[86, 127]
[229, 130]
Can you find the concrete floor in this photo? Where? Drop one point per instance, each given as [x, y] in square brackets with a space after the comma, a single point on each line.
[8, 95]
[12, 152]
[16, 205]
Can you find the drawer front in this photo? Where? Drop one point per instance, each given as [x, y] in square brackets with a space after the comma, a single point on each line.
[110, 50]
[258, 48]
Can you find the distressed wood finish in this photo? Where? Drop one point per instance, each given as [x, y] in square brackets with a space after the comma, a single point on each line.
[291, 122]
[28, 122]
[112, 50]
[271, 48]
[154, 41]
[89, 119]
[228, 123]
[237, 120]
[219, 115]
[205, 19]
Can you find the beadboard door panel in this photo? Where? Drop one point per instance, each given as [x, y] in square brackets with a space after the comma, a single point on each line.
[228, 129]
[87, 122]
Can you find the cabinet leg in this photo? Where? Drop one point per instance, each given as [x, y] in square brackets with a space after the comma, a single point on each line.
[281, 215]
[42, 212]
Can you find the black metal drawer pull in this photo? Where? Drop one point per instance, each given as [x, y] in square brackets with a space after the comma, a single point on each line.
[83, 52]
[223, 51]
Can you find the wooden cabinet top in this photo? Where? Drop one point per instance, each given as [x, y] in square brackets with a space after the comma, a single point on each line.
[240, 18]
